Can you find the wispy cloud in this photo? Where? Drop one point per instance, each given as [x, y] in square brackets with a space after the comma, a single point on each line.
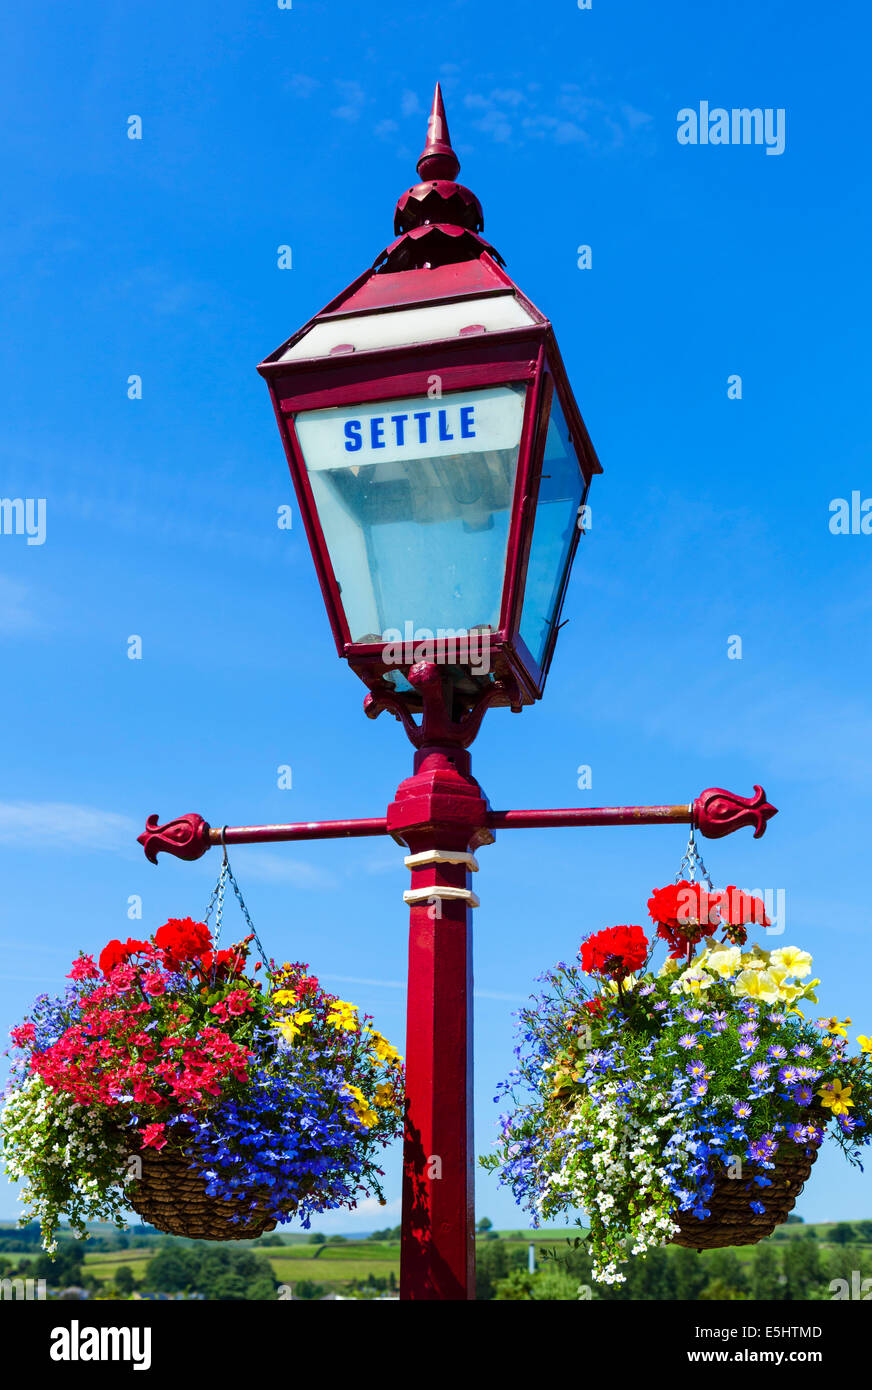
[565, 116]
[36, 824]
[16, 607]
[353, 100]
[268, 867]
[302, 85]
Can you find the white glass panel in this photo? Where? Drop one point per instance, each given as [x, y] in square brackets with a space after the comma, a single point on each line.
[400, 327]
[414, 498]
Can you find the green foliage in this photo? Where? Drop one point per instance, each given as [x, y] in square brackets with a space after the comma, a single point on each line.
[216, 1273]
[317, 1238]
[766, 1275]
[843, 1234]
[494, 1261]
[308, 1289]
[66, 1267]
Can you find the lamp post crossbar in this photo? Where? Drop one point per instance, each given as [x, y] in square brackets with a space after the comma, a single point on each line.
[442, 817]
[714, 813]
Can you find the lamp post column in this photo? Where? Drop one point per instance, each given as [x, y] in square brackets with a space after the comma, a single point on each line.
[440, 815]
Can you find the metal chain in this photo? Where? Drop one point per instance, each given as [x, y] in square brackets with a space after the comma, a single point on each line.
[216, 901]
[692, 869]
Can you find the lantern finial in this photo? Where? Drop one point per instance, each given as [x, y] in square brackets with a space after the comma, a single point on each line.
[438, 222]
[438, 160]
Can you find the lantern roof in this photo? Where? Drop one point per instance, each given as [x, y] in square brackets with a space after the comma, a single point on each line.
[438, 260]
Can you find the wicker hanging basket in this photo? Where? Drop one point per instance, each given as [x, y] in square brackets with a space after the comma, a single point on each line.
[171, 1196]
[732, 1222]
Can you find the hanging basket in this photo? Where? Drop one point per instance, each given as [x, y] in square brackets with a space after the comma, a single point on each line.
[243, 1101]
[732, 1222]
[171, 1196]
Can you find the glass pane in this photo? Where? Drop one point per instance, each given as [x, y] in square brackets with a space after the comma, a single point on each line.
[560, 492]
[414, 498]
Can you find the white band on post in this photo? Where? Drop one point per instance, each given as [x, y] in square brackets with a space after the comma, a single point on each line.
[441, 856]
[434, 890]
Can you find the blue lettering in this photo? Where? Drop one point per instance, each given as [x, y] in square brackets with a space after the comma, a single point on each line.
[376, 430]
[422, 416]
[353, 441]
[443, 425]
[397, 421]
[466, 422]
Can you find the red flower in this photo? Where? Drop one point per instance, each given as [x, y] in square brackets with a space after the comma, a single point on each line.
[24, 1034]
[685, 913]
[182, 939]
[616, 952]
[112, 954]
[154, 983]
[743, 909]
[231, 961]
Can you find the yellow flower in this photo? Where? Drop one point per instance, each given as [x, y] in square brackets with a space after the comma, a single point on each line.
[834, 1027]
[384, 1093]
[788, 994]
[693, 982]
[758, 959]
[382, 1049]
[757, 984]
[343, 1015]
[284, 996]
[611, 986]
[669, 967]
[836, 1097]
[723, 963]
[362, 1108]
[865, 1043]
[291, 1025]
[793, 960]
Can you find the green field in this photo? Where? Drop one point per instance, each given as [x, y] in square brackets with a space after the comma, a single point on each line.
[335, 1263]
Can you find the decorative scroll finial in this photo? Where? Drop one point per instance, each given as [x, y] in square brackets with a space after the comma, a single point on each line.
[186, 837]
[438, 160]
[717, 812]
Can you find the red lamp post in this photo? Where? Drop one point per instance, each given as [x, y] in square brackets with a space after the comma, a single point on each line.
[441, 466]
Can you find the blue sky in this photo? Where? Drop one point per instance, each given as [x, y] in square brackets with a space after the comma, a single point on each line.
[158, 257]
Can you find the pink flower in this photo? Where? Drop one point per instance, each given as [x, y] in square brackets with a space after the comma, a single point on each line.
[238, 1002]
[220, 1010]
[24, 1034]
[153, 984]
[153, 1136]
[123, 976]
[83, 969]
